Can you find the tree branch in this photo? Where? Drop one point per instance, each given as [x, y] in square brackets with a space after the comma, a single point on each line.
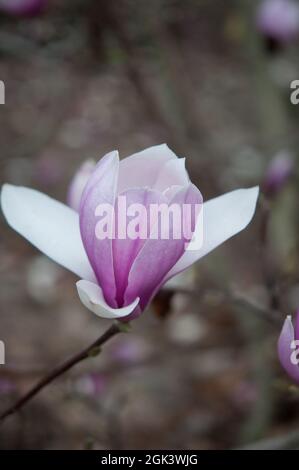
[271, 315]
[90, 351]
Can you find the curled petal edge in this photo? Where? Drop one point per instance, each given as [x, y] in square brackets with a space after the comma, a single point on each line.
[91, 296]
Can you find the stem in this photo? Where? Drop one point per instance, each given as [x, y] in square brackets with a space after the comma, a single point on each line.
[271, 315]
[90, 351]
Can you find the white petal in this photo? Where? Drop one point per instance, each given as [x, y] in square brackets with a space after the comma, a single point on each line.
[91, 295]
[223, 217]
[142, 169]
[172, 173]
[49, 225]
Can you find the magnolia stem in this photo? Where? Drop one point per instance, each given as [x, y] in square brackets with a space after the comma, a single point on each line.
[90, 351]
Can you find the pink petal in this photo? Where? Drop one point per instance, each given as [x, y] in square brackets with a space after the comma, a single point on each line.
[285, 350]
[126, 250]
[142, 168]
[23, 7]
[279, 19]
[100, 189]
[157, 257]
[170, 192]
[172, 173]
[297, 325]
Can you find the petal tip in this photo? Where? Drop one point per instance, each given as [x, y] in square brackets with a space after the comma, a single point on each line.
[166, 147]
[7, 191]
[112, 156]
[255, 191]
[6, 187]
[91, 296]
[250, 203]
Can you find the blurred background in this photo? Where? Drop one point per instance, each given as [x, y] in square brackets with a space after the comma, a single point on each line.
[199, 369]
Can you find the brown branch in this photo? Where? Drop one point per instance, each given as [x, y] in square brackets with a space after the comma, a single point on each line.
[271, 315]
[90, 351]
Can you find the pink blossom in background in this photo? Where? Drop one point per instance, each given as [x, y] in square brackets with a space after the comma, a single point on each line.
[92, 384]
[22, 7]
[287, 347]
[278, 19]
[119, 277]
[278, 173]
[132, 350]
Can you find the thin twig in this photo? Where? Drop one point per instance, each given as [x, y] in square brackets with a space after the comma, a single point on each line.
[90, 351]
[271, 315]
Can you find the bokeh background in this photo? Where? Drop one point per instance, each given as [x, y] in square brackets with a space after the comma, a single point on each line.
[199, 369]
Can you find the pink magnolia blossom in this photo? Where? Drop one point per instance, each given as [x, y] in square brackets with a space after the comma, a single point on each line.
[119, 277]
[279, 19]
[278, 173]
[287, 347]
[92, 384]
[22, 7]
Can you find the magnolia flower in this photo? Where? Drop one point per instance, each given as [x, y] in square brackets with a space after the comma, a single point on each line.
[278, 173]
[279, 19]
[288, 347]
[22, 7]
[119, 277]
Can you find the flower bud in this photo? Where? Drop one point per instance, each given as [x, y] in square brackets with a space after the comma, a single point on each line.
[288, 347]
[278, 173]
[22, 7]
[278, 20]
